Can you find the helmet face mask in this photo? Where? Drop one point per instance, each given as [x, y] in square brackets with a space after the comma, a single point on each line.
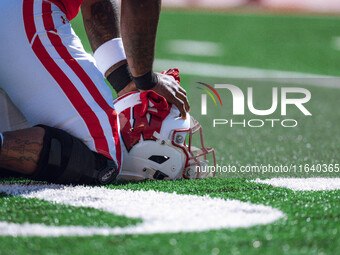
[161, 148]
[196, 164]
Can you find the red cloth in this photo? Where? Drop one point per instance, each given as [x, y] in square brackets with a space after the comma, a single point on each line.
[69, 7]
[154, 104]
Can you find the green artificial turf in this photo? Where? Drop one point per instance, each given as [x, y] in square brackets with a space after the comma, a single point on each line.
[311, 225]
[313, 142]
[21, 210]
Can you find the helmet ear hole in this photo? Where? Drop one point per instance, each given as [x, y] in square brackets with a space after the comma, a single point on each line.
[159, 158]
[159, 175]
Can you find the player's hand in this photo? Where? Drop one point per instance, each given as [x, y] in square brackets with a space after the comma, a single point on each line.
[170, 89]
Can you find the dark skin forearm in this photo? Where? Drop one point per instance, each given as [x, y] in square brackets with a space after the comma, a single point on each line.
[139, 28]
[21, 149]
[101, 22]
[139, 21]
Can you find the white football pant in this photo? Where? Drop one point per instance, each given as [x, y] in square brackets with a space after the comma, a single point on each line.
[10, 117]
[51, 79]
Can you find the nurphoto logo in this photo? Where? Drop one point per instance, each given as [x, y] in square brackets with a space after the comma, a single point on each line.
[297, 97]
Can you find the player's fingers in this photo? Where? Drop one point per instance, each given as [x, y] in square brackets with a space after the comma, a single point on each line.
[184, 99]
[181, 107]
[182, 90]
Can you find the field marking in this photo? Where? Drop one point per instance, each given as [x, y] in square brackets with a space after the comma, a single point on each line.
[319, 6]
[224, 71]
[303, 184]
[336, 42]
[194, 48]
[161, 212]
[203, 4]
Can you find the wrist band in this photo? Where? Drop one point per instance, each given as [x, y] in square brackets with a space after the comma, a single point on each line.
[146, 81]
[120, 77]
[1, 140]
[109, 54]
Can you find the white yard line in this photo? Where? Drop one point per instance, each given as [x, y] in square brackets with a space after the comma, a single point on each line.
[224, 71]
[194, 48]
[303, 184]
[332, 6]
[336, 42]
[161, 212]
[320, 6]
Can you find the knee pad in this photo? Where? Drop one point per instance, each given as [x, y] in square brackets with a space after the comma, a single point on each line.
[65, 159]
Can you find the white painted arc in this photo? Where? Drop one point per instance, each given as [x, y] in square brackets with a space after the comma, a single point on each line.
[161, 212]
[303, 184]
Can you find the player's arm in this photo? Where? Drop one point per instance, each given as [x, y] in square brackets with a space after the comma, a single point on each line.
[139, 22]
[20, 150]
[50, 154]
[101, 22]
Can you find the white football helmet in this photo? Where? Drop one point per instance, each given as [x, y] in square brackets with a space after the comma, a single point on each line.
[160, 149]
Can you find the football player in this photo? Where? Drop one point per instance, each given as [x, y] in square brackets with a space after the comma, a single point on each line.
[153, 145]
[46, 153]
[54, 82]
